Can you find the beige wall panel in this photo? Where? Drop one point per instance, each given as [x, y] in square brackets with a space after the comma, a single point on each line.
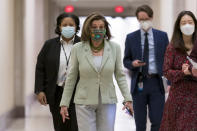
[35, 34]
[6, 55]
[155, 5]
[191, 5]
[29, 42]
[167, 17]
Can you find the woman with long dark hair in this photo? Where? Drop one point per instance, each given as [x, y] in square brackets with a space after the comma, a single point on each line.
[180, 111]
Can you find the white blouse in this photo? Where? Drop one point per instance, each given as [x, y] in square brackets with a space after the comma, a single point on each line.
[63, 60]
[97, 62]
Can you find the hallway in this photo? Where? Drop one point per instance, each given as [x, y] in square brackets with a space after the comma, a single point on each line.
[26, 24]
[39, 119]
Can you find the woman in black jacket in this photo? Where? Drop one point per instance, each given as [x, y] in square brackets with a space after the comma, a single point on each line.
[51, 70]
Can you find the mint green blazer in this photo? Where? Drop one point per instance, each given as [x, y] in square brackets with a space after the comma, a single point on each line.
[91, 80]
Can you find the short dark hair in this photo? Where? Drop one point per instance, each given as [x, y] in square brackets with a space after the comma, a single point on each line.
[61, 17]
[177, 38]
[144, 8]
[85, 36]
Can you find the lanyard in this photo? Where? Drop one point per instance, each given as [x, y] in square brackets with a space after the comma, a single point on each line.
[67, 59]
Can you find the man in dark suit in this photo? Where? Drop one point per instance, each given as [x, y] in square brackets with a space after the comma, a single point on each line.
[51, 70]
[144, 54]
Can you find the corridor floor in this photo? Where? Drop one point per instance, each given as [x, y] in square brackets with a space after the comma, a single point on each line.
[39, 119]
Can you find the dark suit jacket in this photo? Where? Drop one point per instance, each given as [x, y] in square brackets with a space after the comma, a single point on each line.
[47, 68]
[133, 51]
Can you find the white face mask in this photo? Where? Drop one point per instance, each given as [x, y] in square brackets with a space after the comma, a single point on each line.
[187, 29]
[145, 25]
[68, 31]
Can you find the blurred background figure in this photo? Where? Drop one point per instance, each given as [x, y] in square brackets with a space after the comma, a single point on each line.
[26, 25]
[180, 111]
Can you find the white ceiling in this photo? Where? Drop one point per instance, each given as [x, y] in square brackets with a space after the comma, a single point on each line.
[100, 3]
[84, 7]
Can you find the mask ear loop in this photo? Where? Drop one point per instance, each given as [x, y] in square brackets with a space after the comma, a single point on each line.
[105, 36]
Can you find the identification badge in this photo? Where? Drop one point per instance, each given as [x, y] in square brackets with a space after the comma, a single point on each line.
[140, 86]
[140, 83]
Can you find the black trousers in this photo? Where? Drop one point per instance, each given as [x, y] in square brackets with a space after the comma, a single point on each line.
[69, 125]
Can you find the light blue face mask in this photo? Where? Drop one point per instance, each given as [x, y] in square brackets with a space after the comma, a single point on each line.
[68, 31]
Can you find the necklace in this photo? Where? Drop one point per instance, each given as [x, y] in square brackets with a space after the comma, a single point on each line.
[97, 49]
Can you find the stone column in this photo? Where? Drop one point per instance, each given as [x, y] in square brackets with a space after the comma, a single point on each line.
[191, 5]
[167, 16]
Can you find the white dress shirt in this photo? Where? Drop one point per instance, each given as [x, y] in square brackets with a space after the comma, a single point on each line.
[63, 60]
[152, 69]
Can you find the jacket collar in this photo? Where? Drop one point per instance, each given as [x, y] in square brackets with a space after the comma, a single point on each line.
[74, 40]
[57, 50]
[89, 55]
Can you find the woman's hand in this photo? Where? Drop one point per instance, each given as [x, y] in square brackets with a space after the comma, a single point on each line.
[194, 72]
[185, 69]
[184, 66]
[128, 105]
[168, 88]
[64, 113]
[42, 98]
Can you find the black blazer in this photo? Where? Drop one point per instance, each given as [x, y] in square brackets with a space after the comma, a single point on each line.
[47, 68]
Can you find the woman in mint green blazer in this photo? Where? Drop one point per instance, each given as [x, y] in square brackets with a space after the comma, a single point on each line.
[95, 60]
